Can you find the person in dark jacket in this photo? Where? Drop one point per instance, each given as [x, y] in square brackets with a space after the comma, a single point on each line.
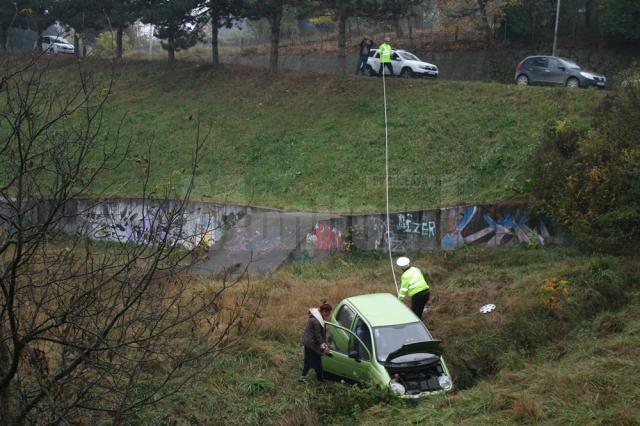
[314, 339]
[365, 48]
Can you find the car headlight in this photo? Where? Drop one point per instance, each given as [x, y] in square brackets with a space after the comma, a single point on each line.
[444, 381]
[587, 75]
[396, 388]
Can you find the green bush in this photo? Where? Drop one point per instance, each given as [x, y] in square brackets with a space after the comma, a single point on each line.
[106, 44]
[589, 181]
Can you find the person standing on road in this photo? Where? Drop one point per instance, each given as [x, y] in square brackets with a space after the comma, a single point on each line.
[414, 285]
[385, 56]
[365, 48]
[314, 340]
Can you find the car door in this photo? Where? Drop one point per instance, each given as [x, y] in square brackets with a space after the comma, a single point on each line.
[396, 63]
[538, 70]
[557, 73]
[374, 61]
[350, 360]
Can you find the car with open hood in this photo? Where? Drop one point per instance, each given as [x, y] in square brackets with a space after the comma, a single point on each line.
[376, 340]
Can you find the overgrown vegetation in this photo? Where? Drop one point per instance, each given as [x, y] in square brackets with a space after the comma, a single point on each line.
[589, 180]
[531, 360]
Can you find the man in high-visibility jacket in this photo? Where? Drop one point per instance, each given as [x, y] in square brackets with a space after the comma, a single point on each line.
[385, 56]
[414, 285]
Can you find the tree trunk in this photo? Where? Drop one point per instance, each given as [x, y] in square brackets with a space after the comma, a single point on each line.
[342, 44]
[39, 40]
[482, 4]
[171, 51]
[215, 53]
[301, 31]
[4, 39]
[76, 45]
[275, 19]
[119, 49]
[5, 403]
[397, 23]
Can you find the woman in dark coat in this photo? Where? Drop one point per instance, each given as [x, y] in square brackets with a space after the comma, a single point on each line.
[314, 339]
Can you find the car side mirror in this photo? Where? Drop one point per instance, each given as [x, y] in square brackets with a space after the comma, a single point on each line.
[562, 68]
[354, 355]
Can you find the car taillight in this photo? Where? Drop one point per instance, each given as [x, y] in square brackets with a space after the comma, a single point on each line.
[518, 66]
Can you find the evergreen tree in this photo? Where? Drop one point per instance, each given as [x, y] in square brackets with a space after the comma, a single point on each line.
[273, 11]
[40, 16]
[222, 14]
[178, 23]
[118, 15]
[80, 15]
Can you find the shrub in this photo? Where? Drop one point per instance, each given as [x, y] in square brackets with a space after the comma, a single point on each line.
[589, 181]
[554, 292]
[106, 43]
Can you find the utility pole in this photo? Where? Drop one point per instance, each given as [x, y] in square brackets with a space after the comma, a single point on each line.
[150, 41]
[555, 34]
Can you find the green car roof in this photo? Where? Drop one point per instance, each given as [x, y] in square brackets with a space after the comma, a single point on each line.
[382, 309]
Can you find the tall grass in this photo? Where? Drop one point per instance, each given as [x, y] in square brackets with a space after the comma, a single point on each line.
[525, 363]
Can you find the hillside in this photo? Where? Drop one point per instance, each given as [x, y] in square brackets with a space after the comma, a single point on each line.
[316, 142]
[530, 361]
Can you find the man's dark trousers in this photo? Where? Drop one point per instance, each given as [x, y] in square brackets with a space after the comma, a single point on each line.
[388, 65]
[418, 302]
[362, 64]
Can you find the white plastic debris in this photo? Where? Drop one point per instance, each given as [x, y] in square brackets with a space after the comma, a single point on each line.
[488, 308]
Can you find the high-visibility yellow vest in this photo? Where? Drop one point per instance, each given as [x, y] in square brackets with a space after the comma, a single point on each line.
[385, 53]
[412, 283]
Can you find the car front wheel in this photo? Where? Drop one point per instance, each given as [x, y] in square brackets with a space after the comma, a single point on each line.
[406, 73]
[522, 80]
[370, 72]
[573, 83]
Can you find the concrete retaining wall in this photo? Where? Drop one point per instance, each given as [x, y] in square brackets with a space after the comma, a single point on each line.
[316, 235]
[439, 229]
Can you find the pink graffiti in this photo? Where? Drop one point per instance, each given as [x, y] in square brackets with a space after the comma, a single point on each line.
[327, 238]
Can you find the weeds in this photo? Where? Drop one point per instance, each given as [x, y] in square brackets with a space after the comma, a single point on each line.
[524, 363]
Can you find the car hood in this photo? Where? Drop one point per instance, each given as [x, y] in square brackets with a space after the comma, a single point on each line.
[432, 347]
[62, 44]
[597, 74]
[420, 63]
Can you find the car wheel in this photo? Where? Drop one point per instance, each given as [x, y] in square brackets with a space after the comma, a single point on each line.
[406, 73]
[573, 83]
[370, 72]
[522, 80]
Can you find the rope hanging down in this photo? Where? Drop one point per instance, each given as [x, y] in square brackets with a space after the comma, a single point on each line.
[386, 169]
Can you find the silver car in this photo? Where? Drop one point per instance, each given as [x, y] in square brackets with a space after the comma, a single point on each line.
[553, 70]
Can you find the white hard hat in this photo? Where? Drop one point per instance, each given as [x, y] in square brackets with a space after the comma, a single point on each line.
[403, 261]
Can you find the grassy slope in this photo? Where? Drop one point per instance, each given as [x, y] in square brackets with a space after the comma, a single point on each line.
[585, 373]
[316, 142]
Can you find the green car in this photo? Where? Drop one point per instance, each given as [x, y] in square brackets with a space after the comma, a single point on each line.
[376, 340]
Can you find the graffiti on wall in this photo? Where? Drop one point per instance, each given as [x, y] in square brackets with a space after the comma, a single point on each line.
[324, 237]
[408, 225]
[253, 241]
[138, 223]
[495, 226]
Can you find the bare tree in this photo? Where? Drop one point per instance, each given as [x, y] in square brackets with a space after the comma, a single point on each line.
[94, 328]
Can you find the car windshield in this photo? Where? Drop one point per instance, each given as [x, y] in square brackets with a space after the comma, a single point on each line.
[570, 64]
[393, 337]
[409, 56]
